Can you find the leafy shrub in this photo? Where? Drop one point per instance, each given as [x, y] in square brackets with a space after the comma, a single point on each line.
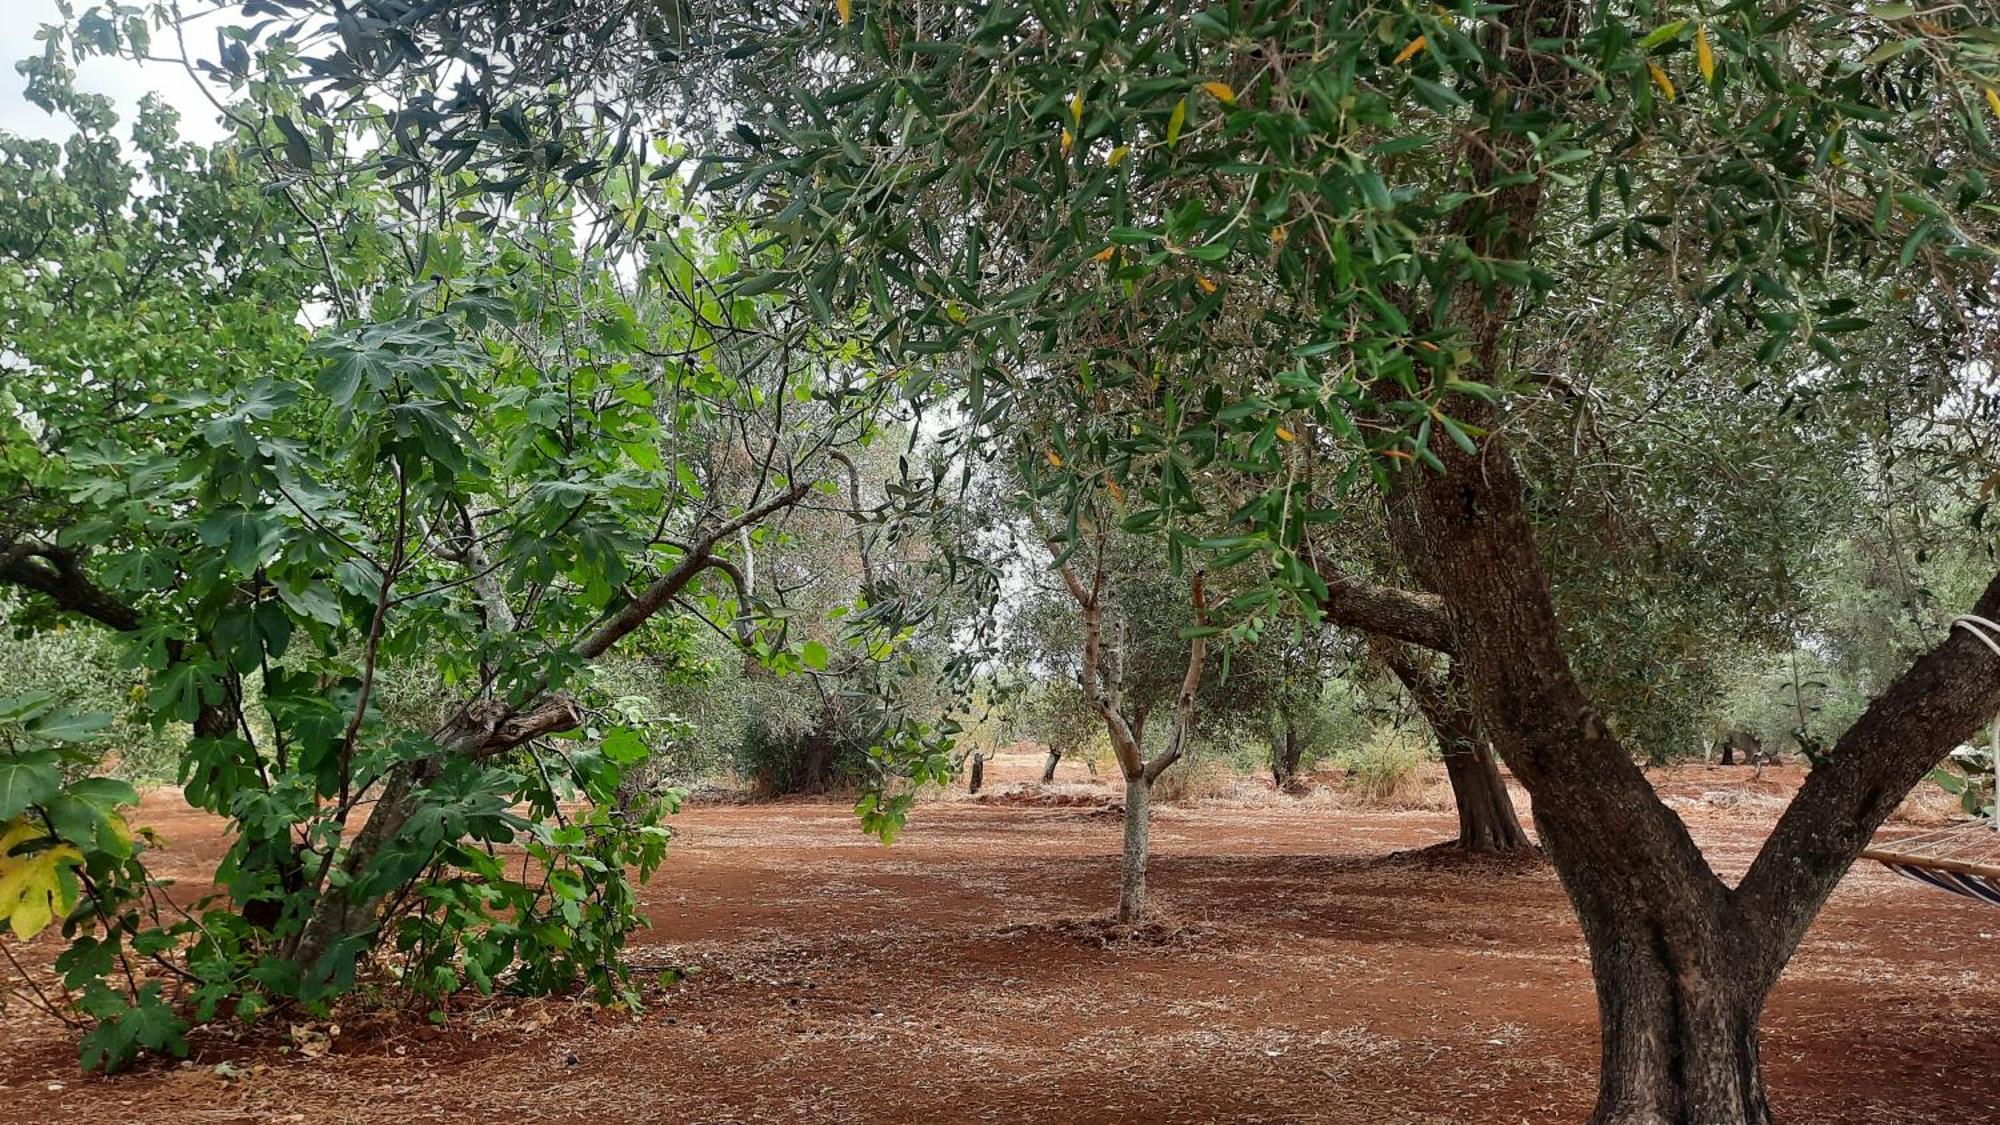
[1199, 778]
[82, 669]
[780, 754]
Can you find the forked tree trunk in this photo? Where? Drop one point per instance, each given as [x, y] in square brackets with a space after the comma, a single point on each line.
[1138, 839]
[1049, 767]
[1678, 1005]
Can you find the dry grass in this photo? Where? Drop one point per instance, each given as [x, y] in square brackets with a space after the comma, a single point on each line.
[1388, 770]
[1927, 806]
[1200, 780]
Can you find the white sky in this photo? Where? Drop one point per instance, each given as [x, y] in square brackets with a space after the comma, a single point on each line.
[125, 82]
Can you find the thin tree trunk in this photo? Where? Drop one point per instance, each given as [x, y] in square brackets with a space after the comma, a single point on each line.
[978, 773]
[1285, 759]
[1138, 828]
[1049, 767]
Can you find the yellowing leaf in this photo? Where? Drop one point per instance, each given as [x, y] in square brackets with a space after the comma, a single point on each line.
[1704, 56]
[1410, 52]
[1174, 122]
[1105, 254]
[31, 886]
[1116, 492]
[1279, 235]
[1054, 460]
[1207, 286]
[1076, 106]
[1068, 142]
[1993, 100]
[1118, 155]
[1286, 435]
[1661, 80]
[1221, 91]
[846, 8]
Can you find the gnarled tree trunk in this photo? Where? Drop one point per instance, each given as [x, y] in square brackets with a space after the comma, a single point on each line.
[1487, 822]
[1677, 1012]
[1049, 766]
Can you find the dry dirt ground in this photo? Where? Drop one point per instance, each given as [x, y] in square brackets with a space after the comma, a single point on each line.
[1306, 972]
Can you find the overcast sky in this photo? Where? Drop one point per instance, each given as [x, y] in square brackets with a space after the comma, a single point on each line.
[125, 82]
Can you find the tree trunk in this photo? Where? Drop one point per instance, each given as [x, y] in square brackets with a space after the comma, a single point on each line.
[347, 912]
[1285, 759]
[1486, 819]
[978, 773]
[343, 921]
[1138, 827]
[1049, 767]
[1487, 822]
[1677, 1008]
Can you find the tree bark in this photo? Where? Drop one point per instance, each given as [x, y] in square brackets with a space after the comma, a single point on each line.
[345, 916]
[1049, 766]
[1285, 759]
[978, 773]
[1678, 1005]
[1138, 840]
[1487, 822]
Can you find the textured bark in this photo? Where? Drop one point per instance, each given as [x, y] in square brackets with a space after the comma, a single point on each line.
[1138, 841]
[978, 773]
[1049, 766]
[1678, 1038]
[57, 574]
[1681, 960]
[1487, 822]
[1678, 1023]
[1406, 615]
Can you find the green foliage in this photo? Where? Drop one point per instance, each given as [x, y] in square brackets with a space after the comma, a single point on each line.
[360, 498]
[81, 668]
[1969, 775]
[371, 430]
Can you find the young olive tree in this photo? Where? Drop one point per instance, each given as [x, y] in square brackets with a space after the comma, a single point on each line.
[1130, 659]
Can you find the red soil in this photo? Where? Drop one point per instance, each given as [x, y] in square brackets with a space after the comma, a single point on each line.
[1304, 971]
